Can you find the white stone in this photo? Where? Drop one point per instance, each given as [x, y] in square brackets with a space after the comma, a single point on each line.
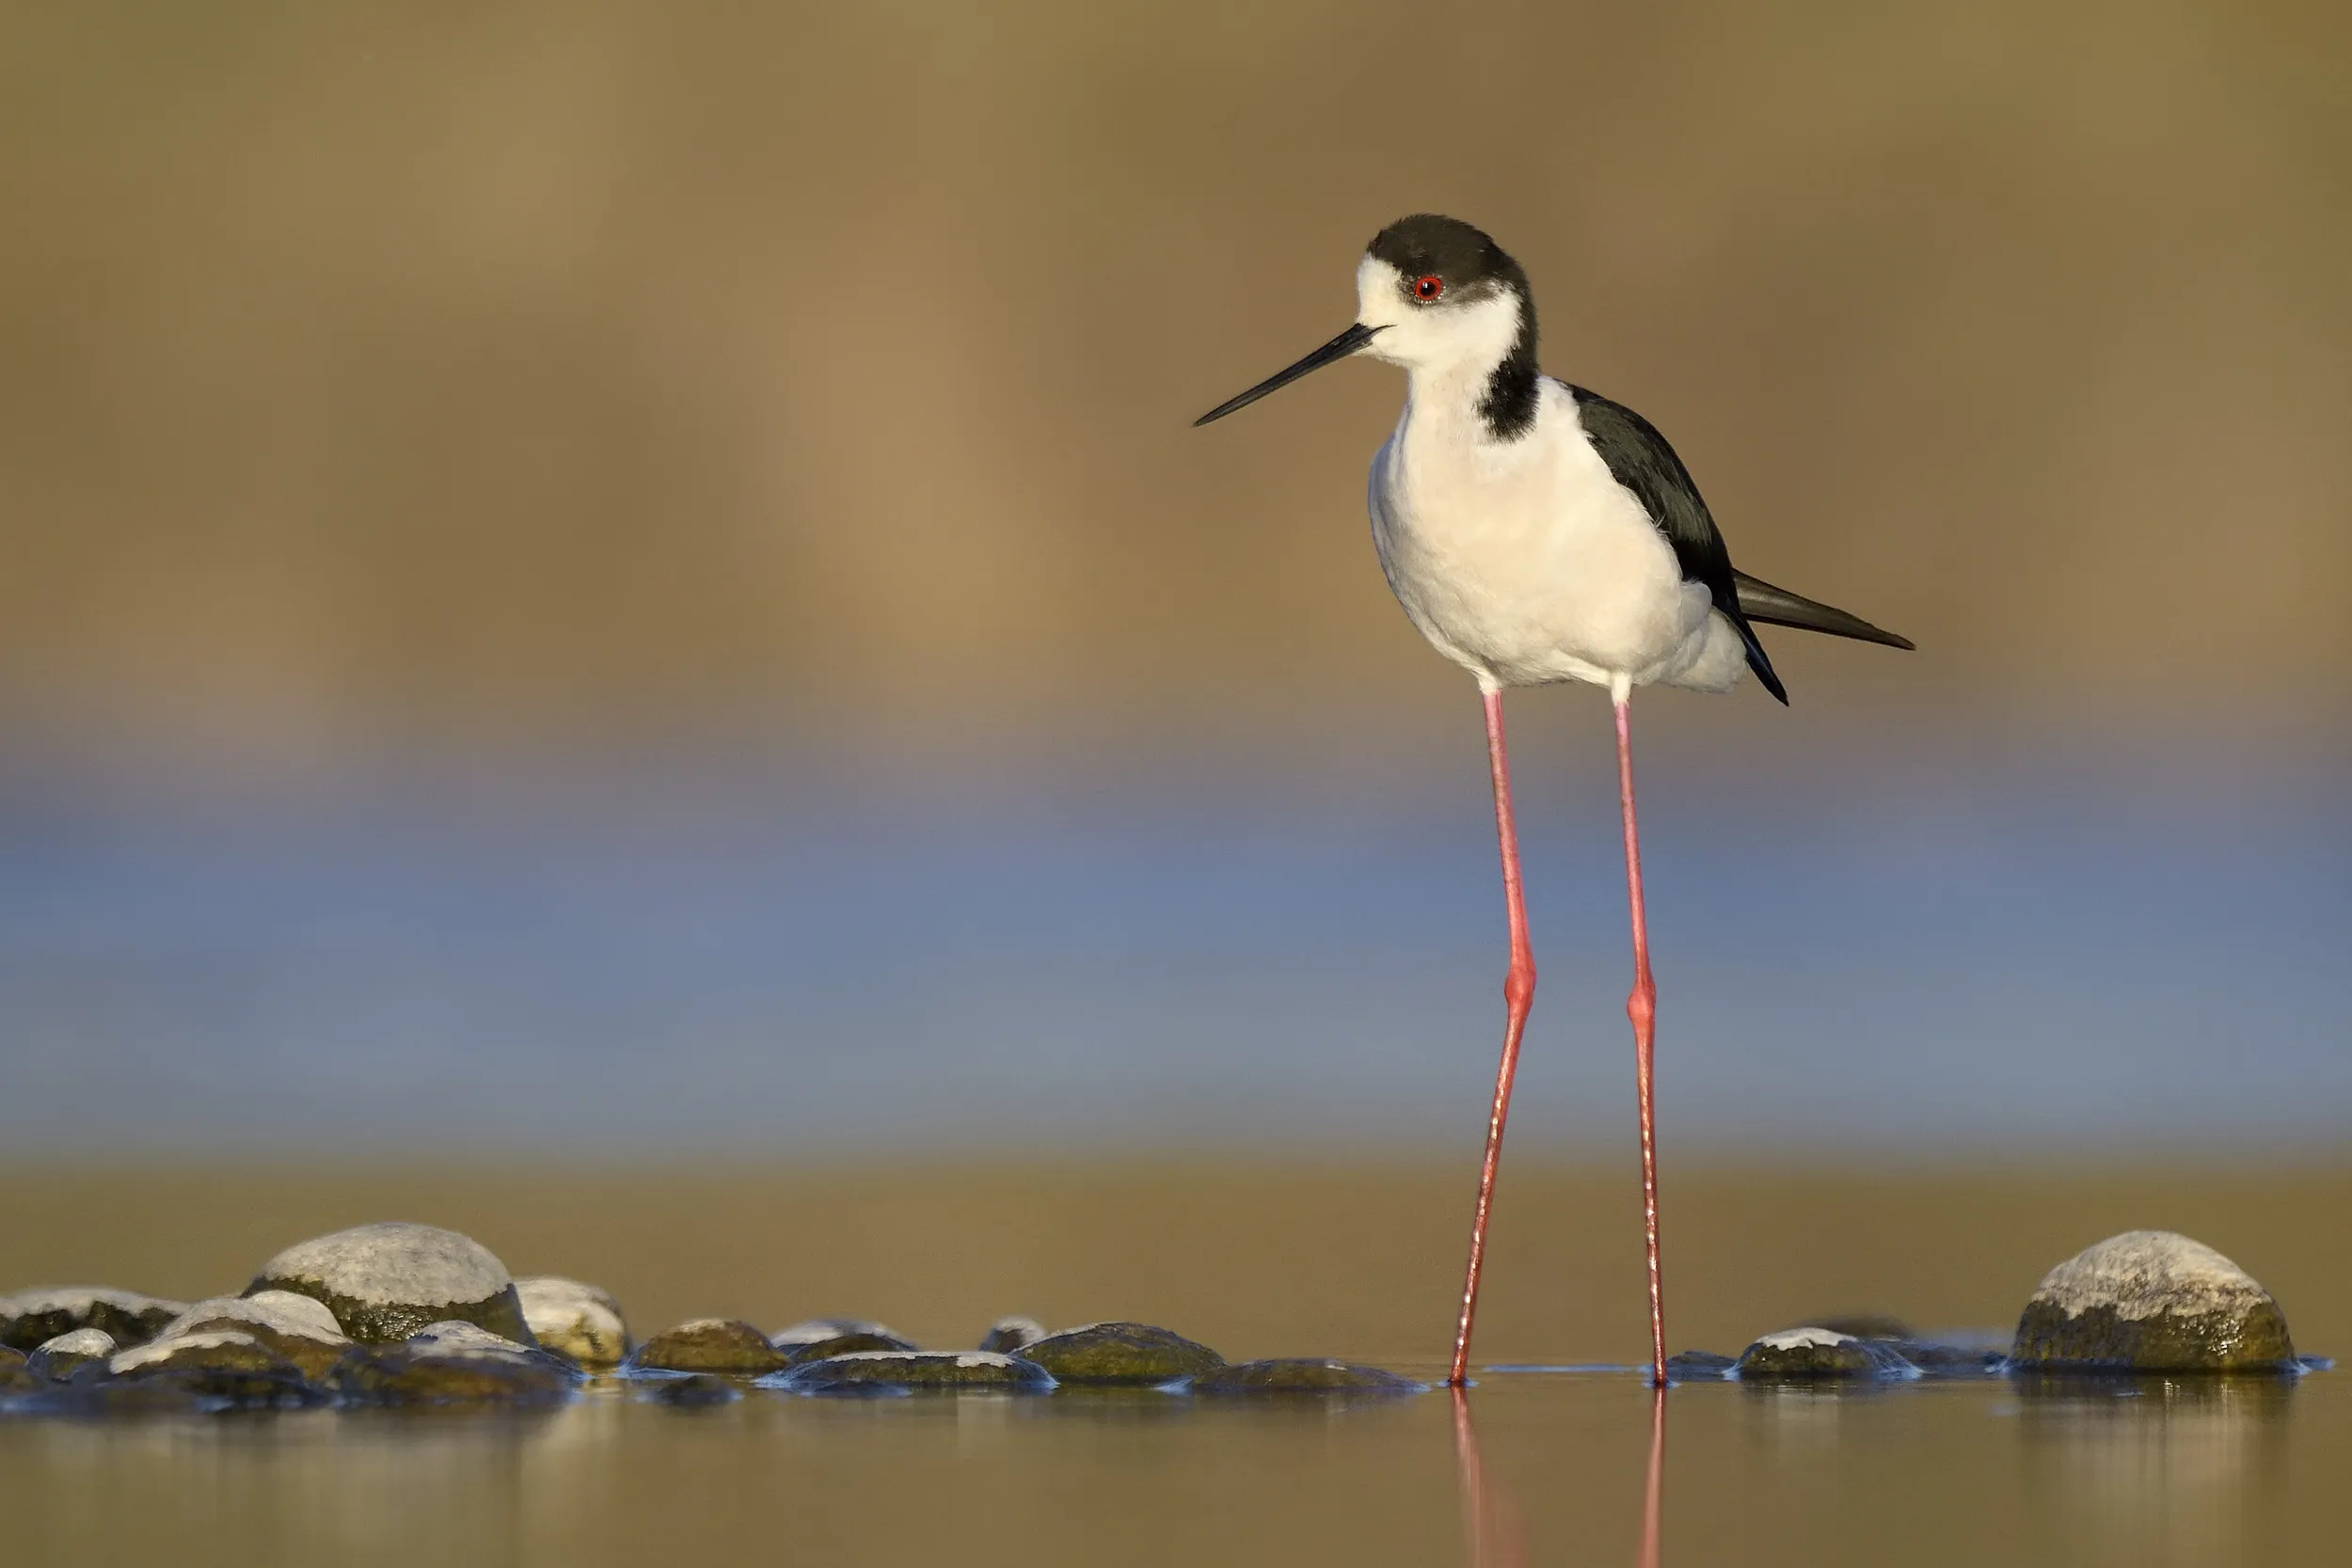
[164, 1350]
[297, 1317]
[391, 1262]
[90, 1342]
[1806, 1338]
[79, 1300]
[2142, 1273]
[580, 1321]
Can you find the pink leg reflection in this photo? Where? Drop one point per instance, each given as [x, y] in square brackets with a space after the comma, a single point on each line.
[1490, 1527]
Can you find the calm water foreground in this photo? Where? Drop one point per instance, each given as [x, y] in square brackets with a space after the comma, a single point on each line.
[1531, 1467]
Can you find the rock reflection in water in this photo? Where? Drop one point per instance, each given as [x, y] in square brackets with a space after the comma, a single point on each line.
[2159, 1469]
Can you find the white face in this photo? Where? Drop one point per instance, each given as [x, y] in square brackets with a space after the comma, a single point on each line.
[1472, 334]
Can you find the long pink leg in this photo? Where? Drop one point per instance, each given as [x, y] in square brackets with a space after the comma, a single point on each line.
[1653, 1497]
[1519, 995]
[1641, 1008]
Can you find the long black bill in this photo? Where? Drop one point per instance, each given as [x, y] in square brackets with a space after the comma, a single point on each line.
[1340, 347]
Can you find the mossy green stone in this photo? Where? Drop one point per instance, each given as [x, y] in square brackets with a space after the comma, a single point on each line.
[14, 1379]
[843, 1344]
[1303, 1375]
[423, 1374]
[1118, 1353]
[726, 1345]
[1814, 1354]
[216, 1369]
[31, 1319]
[387, 1282]
[2152, 1301]
[67, 1354]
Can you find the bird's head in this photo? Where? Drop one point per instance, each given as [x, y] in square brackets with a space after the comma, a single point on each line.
[1432, 294]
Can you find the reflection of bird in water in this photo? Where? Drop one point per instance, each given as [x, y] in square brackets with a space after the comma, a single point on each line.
[1538, 533]
[1497, 1537]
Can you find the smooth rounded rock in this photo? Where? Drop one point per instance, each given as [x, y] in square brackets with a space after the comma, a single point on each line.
[384, 1282]
[1120, 1353]
[296, 1327]
[216, 1369]
[1303, 1375]
[726, 1345]
[845, 1344]
[1814, 1354]
[67, 1354]
[572, 1319]
[814, 1329]
[454, 1362]
[2152, 1301]
[1007, 1335]
[31, 1319]
[14, 1379]
[889, 1371]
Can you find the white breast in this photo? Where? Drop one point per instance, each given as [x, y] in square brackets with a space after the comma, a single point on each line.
[1527, 563]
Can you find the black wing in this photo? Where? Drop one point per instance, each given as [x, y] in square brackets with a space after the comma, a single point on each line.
[1640, 459]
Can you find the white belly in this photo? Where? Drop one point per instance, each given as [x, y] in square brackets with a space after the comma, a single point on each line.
[1527, 563]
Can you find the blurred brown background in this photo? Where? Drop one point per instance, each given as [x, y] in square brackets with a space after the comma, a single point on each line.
[559, 370]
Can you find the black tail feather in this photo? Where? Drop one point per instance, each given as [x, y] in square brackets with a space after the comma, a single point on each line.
[1761, 602]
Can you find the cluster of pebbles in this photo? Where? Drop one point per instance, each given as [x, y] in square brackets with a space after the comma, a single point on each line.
[404, 1315]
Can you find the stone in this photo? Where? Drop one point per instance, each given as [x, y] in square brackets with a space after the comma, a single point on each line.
[2152, 1301]
[1007, 1335]
[218, 1368]
[31, 1319]
[454, 1362]
[14, 1379]
[883, 1372]
[1814, 1355]
[576, 1320]
[814, 1329]
[69, 1353]
[845, 1344]
[1303, 1375]
[299, 1328]
[694, 1391]
[711, 1345]
[1116, 1352]
[384, 1282]
[1698, 1365]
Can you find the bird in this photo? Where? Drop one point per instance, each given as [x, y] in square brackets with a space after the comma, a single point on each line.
[1536, 532]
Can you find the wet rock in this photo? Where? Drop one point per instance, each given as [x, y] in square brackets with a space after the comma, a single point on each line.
[845, 1344]
[888, 1370]
[218, 1368]
[579, 1320]
[1303, 1375]
[1110, 1353]
[802, 1334]
[67, 1354]
[1939, 1358]
[711, 1345]
[454, 1362]
[296, 1327]
[1813, 1355]
[14, 1379]
[692, 1392]
[2152, 1301]
[1007, 1335]
[31, 1319]
[384, 1282]
[1697, 1366]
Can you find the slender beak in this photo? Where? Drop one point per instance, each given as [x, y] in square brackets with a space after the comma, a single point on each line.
[1340, 347]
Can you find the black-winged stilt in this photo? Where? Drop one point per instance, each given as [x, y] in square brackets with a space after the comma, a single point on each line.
[1538, 533]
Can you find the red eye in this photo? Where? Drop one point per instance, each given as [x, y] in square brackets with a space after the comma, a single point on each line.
[1429, 287]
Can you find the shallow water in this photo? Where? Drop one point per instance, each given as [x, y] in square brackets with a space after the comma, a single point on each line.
[1531, 1468]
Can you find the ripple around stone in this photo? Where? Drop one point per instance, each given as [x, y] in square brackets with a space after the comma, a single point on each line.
[884, 1371]
[1303, 1375]
[1699, 1365]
